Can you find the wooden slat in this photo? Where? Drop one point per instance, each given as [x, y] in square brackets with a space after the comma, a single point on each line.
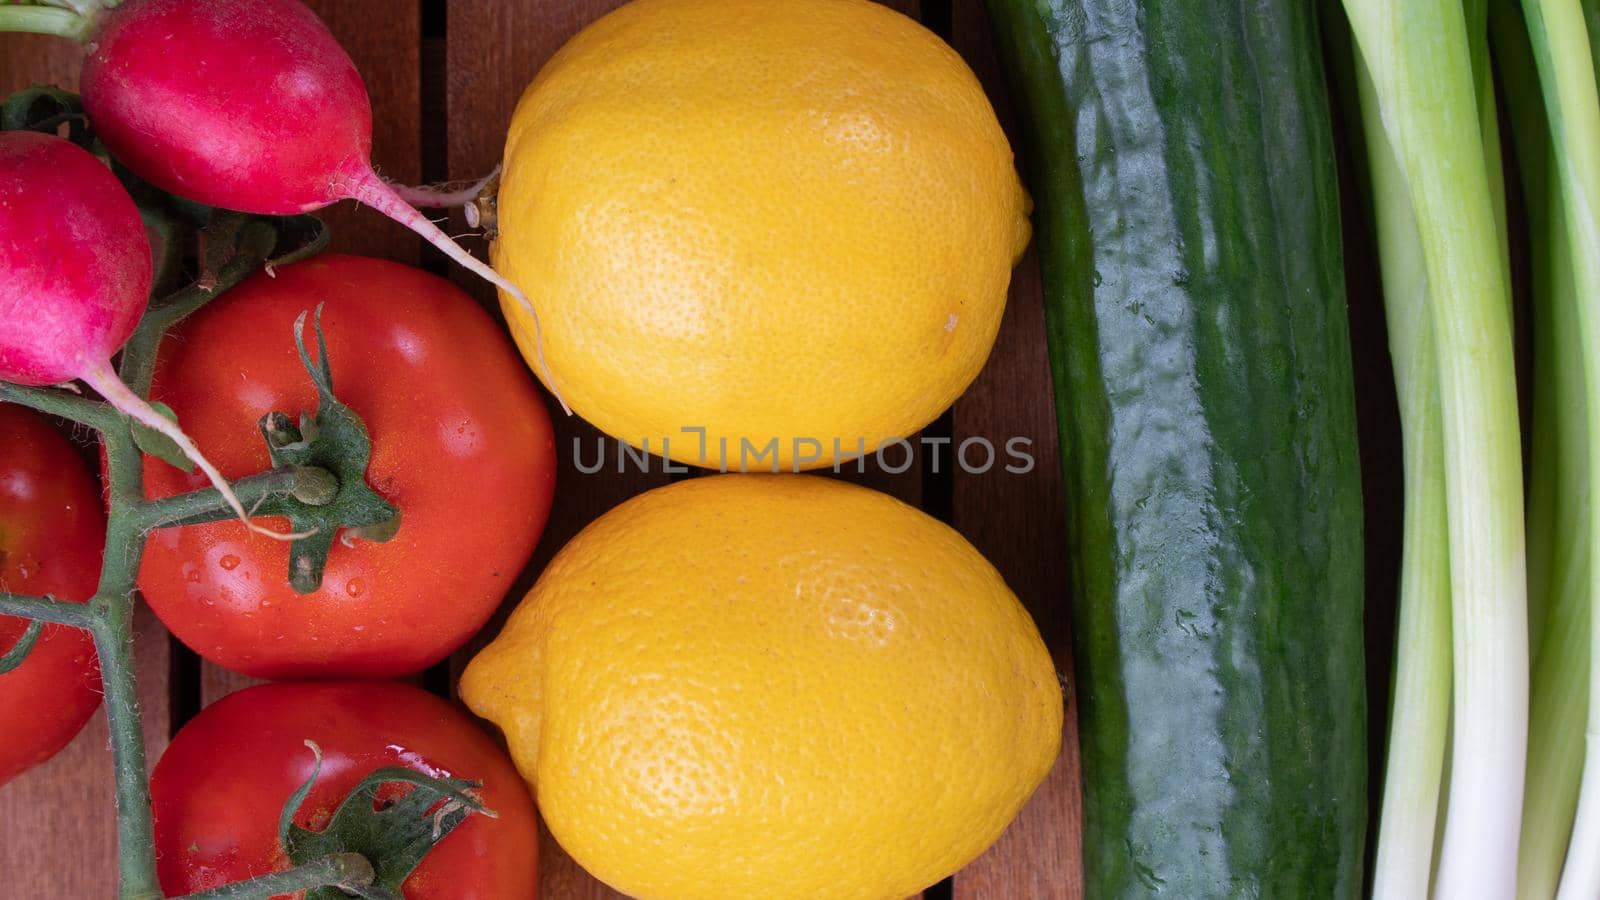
[1019, 522]
[30, 59]
[217, 682]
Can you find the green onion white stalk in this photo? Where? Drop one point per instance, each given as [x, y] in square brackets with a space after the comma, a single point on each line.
[1421, 64]
[1420, 711]
[1558, 498]
[1561, 51]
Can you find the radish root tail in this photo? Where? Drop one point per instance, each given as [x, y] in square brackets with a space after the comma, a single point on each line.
[104, 379]
[430, 197]
[382, 196]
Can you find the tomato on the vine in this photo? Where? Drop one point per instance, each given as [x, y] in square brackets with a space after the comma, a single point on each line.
[222, 783]
[461, 444]
[52, 534]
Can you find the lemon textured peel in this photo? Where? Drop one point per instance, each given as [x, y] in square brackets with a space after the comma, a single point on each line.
[773, 686]
[775, 220]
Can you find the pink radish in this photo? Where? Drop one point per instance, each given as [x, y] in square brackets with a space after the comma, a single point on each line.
[249, 105]
[75, 275]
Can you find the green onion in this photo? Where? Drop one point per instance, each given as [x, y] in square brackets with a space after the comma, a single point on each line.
[1558, 525]
[1423, 78]
[1420, 712]
[1560, 40]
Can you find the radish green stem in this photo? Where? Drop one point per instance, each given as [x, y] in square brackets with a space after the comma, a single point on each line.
[1420, 716]
[382, 196]
[43, 20]
[1419, 56]
[1561, 51]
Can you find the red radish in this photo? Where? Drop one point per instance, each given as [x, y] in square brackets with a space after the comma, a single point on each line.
[249, 105]
[75, 276]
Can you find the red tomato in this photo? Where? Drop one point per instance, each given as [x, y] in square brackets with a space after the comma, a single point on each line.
[52, 533]
[461, 443]
[223, 781]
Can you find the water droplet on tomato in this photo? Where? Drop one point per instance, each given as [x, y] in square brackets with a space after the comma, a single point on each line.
[355, 587]
[193, 577]
[207, 601]
[229, 562]
[27, 567]
[358, 628]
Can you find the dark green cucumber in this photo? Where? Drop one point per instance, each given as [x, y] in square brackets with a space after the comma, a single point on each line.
[1181, 159]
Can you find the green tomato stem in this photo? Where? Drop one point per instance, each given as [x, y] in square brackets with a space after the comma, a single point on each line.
[47, 609]
[139, 353]
[108, 616]
[207, 505]
[18, 654]
[232, 248]
[113, 640]
[336, 870]
[62, 403]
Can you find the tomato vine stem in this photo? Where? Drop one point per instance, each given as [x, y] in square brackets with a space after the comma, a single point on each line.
[62, 403]
[46, 609]
[108, 617]
[337, 869]
[226, 248]
[207, 505]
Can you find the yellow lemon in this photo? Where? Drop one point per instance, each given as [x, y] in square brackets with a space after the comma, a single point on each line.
[785, 222]
[772, 686]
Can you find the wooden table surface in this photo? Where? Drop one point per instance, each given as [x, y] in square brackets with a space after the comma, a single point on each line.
[444, 78]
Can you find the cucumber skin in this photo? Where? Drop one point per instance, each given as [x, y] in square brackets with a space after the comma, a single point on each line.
[1181, 156]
